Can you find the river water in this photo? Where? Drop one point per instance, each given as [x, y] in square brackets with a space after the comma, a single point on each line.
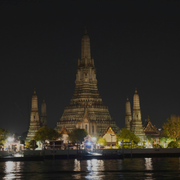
[137, 168]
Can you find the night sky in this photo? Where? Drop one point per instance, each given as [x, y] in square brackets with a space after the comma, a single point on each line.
[134, 44]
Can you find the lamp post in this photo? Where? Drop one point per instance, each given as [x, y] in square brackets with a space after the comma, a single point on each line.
[111, 138]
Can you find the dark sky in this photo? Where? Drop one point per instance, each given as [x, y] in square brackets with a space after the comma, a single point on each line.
[134, 44]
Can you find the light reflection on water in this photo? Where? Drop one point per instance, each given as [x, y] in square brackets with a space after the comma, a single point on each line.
[94, 168]
[77, 167]
[137, 168]
[148, 166]
[148, 163]
[10, 168]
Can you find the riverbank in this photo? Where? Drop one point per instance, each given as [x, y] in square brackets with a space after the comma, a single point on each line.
[40, 155]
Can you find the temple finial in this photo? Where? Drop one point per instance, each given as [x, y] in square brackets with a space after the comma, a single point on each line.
[85, 30]
[148, 119]
[34, 90]
[135, 90]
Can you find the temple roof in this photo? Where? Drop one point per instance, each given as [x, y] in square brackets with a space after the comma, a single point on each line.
[109, 130]
[149, 129]
[64, 130]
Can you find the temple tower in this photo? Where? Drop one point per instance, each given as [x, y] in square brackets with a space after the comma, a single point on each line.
[86, 108]
[34, 118]
[136, 126]
[128, 116]
[43, 114]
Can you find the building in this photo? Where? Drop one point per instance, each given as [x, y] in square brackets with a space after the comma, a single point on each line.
[34, 118]
[128, 115]
[134, 122]
[86, 109]
[151, 130]
[110, 136]
[35, 121]
[43, 119]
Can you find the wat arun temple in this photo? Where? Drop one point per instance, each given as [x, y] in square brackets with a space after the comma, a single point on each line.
[86, 109]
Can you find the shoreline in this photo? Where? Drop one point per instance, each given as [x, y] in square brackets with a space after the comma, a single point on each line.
[40, 155]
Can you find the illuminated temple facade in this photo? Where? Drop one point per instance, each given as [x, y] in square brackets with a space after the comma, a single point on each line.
[86, 109]
[133, 121]
[35, 121]
[34, 118]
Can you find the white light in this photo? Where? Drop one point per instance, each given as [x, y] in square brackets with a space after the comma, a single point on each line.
[88, 143]
[10, 139]
[94, 139]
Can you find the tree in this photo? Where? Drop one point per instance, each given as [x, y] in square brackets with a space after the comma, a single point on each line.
[172, 128]
[77, 135]
[173, 144]
[101, 141]
[151, 140]
[165, 140]
[45, 133]
[31, 145]
[126, 135]
[3, 136]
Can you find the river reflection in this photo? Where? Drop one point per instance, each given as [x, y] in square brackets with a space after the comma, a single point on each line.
[77, 167]
[148, 163]
[137, 168]
[95, 167]
[11, 168]
[148, 166]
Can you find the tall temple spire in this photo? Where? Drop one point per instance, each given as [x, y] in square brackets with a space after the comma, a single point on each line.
[34, 105]
[136, 104]
[34, 118]
[128, 116]
[85, 30]
[43, 114]
[85, 49]
[86, 96]
[136, 126]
